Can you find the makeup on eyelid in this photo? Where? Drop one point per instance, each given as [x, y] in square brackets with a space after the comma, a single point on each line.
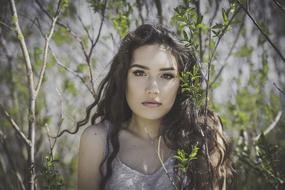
[167, 75]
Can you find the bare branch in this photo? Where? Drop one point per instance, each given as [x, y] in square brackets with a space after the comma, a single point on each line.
[25, 51]
[93, 46]
[7, 152]
[222, 34]
[271, 126]
[139, 5]
[85, 29]
[261, 31]
[159, 10]
[59, 124]
[229, 54]
[82, 79]
[276, 2]
[280, 90]
[6, 25]
[201, 52]
[74, 35]
[43, 68]
[215, 12]
[15, 126]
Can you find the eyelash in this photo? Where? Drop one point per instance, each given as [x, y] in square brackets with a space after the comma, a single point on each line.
[139, 73]
[167, 76]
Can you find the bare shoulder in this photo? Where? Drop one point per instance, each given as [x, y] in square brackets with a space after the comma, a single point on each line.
[95, 132]
[91, 154]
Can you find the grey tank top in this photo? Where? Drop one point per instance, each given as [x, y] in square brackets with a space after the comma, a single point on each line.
[126, 178]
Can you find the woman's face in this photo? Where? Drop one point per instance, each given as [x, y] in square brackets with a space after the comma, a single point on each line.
[152, 82]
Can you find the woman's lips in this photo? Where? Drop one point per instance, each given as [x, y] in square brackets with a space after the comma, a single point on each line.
[151, 104]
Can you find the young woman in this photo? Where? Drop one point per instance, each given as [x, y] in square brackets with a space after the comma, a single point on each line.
[143, 117]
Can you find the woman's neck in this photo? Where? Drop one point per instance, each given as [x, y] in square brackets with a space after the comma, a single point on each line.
[144, 128]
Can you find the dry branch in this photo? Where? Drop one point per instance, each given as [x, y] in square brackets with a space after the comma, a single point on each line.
[271, 126]
[15, 126]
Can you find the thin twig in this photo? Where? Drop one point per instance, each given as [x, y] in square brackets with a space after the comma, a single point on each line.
[88, 59]
[262, 32]
[82, 79]
[9, 156]
[46, 48]
[222, 34]
[229, 54]
[271, 126]
[215, 12]
[73, 34]
[280, 90]
[211, 55]
[276, 2]
[201, 52]
[6, 25]
[24, 48]
[85, 29]
[15, 126]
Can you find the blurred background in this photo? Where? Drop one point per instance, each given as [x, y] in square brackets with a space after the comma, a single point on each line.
[73, 42]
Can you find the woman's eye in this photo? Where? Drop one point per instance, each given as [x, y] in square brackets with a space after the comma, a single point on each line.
[139, 73]
[168, 76]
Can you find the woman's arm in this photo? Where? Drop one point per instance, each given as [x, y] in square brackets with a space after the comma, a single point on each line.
[91, 154]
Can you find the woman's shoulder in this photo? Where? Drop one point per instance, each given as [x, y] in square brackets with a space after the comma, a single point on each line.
[96, 132]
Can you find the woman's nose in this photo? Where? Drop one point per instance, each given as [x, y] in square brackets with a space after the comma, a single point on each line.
[152, 89]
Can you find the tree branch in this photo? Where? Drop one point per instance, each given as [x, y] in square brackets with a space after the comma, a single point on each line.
[6, 25]
[82, 79]
[229, 54]
[25, 51]
[276, 2]
[201, 52]
[271, 126]
[215, 11]
[85, 29]
[262, 32]
[139, 6]
[94, 43]
[43, 68]
[159, 11]
[280, 90]
[7, 152]
[15, 126]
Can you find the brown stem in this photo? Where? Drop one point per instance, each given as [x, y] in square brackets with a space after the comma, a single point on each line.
[261, 31]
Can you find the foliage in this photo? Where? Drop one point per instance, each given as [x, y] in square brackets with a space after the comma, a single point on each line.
[53, 180]
[191, 85]
[184, 159]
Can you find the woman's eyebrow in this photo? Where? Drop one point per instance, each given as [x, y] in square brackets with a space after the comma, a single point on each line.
[167, 69]
[147, 68]
[140, 66]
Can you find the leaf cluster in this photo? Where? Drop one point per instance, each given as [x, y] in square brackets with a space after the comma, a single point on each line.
[184, 159]
[52, 179]
[191, 85]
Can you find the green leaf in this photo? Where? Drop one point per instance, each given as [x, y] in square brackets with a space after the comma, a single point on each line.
[121, 24]
[37, 57]
[61, 36]
[70, 87]
[244, 51]
[225, 16]
[81, 68]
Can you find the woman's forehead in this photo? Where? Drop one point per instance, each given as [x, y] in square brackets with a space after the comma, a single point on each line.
[154, 56]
